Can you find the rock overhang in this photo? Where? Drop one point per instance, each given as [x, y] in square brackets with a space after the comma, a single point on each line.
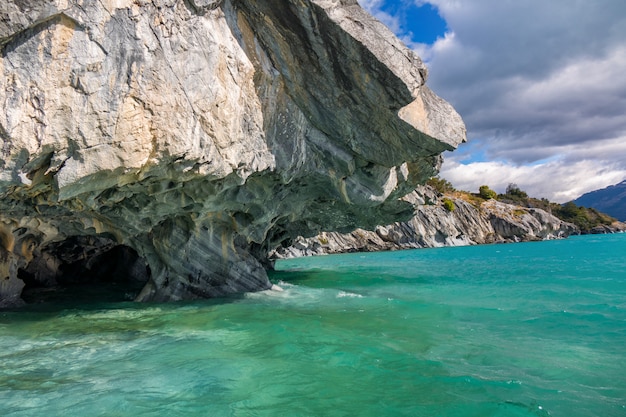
[203, 134]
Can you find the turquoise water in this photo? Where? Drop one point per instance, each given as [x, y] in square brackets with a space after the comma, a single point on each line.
[529, 329]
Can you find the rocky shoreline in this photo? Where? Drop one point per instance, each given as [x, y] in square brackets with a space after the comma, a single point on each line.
[434, 225]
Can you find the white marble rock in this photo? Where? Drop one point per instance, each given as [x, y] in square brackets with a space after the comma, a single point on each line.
[204, 133]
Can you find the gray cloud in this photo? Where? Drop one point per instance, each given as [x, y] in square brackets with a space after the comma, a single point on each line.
[540, 84]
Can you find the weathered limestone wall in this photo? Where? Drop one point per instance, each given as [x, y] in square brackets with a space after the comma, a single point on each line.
[202, 133]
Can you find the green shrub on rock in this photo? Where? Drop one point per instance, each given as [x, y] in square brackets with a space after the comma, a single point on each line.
[440, 185]
[487, 193]
[448, 204]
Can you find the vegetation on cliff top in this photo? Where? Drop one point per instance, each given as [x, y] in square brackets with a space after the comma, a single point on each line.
[585, 218]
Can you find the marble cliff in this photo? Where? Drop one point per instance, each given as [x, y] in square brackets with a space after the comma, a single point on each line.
[182, 140]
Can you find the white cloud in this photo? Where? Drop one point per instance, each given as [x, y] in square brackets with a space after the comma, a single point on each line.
[575, 179]
[559, 179]
[541, 87]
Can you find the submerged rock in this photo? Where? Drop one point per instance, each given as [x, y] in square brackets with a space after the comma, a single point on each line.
[202, 134]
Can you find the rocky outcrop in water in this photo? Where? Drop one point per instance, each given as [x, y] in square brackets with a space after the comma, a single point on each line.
[200, 134]
[434, 225]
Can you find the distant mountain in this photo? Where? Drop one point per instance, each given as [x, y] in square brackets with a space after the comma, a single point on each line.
[610, 200]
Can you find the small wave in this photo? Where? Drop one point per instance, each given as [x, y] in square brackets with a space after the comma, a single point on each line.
[279, 289]
[117, 314]
[343, 294]
[532, 408]
[284, 284]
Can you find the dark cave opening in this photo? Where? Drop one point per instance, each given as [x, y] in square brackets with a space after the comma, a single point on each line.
[84, 269]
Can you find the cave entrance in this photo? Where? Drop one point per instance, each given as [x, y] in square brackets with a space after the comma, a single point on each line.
[84, 269]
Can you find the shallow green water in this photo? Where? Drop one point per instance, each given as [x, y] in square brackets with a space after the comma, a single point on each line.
[535, 329]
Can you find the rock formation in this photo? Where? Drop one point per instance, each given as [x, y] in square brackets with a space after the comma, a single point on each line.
[197, 135]
[435, 226]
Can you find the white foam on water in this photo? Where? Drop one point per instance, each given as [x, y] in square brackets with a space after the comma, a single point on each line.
[346, 294]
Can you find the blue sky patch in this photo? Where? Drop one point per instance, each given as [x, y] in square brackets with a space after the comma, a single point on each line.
[423, 22]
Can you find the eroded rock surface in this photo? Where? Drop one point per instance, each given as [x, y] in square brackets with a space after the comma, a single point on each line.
[203, 133]
[432, 225]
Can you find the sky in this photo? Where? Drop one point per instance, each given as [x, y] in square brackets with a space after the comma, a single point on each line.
[541, 86]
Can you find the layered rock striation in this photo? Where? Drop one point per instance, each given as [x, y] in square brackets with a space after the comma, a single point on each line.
[197, 135]
[434, 225]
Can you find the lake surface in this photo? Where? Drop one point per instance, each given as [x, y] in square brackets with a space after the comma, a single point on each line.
[528, 329]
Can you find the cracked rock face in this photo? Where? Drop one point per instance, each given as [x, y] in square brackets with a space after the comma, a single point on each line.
[202, 134]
